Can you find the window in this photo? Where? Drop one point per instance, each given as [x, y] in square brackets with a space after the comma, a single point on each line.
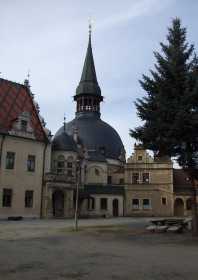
[69, 173]
[29, 199]
[91, 203]
[103, 203]
[102, 150]
[109, 179]
[135, 178]
[164, 202]
[146, 203]
[139, 158]
[24, 125]
[145, 178]
[7, 197]
[121, 181]
[10, 158]
[97, 172]
[189, 204]
[135, 203]
[31, 163]
[69, 165]
[61, 164]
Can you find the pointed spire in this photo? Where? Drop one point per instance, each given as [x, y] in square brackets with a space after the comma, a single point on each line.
[64, 123]
[88, 83]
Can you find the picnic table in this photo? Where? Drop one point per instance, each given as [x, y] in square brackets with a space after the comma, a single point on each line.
[168, 225]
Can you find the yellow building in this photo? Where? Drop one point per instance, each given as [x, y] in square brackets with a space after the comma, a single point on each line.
[154, 188]
[24, 152]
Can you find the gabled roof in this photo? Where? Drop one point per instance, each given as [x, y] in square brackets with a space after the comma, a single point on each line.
[15, 99]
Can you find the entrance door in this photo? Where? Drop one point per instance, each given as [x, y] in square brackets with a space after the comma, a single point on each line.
[115, 208]
[58, 204]
[179, 207]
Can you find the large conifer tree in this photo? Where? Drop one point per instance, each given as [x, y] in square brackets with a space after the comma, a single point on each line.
[166, 89]
[169, 111]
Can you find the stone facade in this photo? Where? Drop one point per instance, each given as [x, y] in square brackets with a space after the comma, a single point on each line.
[148, 185]
[154, 188]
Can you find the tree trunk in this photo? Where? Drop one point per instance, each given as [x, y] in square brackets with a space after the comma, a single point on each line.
[194, 209]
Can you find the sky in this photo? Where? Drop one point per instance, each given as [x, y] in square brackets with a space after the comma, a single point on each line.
[49, 38]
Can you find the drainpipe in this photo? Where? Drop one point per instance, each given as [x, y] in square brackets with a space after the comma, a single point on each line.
[1, 148]
[43, 174]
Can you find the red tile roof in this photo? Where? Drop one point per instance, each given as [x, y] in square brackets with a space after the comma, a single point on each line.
[15, 99]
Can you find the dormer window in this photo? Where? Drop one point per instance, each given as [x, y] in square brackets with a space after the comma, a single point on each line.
[24, 124]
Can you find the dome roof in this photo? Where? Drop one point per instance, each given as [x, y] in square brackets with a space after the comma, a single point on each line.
[63, 142]
[98, 137]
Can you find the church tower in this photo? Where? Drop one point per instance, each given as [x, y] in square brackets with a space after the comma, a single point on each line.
[100, 141]
[88, 93]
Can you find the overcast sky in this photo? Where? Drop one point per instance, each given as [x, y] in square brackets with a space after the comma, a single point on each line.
[50, 37]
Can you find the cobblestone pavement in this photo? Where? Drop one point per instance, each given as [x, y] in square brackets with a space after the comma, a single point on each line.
[49, 249]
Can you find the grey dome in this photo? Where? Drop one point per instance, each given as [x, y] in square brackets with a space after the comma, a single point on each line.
[98, 137]
[63, 142]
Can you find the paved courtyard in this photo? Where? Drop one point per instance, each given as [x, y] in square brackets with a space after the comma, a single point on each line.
[102, 249]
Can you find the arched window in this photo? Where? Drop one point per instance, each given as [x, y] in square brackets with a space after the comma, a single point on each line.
[97, 172]
[60, 164]
[91, 203]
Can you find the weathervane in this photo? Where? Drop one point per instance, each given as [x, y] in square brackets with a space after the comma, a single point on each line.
[27, 80]
[28, 75]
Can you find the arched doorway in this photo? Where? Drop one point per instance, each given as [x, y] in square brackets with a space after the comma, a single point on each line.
[178, 207]
[115, 207]
[58, 204]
